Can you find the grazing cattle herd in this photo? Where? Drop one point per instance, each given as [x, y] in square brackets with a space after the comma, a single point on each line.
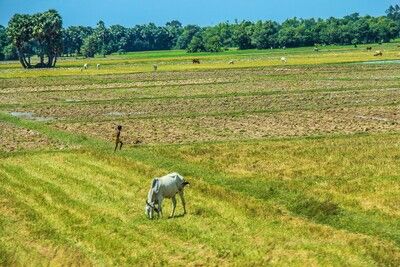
[283, 60]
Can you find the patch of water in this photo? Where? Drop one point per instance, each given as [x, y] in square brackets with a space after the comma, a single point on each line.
[24, 115]
[30, 116]
[72, 100]
[372, 118]
[394, 61]
[115, 113]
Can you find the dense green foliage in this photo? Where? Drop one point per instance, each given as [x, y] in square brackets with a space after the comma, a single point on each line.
[39, 34]
[103, 40]
[352, 29]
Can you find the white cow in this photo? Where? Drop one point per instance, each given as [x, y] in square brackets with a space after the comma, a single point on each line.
[85, 66]
[165, 187]
[283, 59]
[98, 66]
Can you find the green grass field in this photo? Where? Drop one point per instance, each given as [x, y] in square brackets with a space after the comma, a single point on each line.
[289, 164]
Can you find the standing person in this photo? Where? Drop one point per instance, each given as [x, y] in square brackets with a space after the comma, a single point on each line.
[118, 139]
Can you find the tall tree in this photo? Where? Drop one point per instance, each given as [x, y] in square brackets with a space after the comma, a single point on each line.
[73, 37]
[3, 41]
[265, 34]
[174, 29]
[90, 46]
[102, 34]
[47, 32]
[39, 34]
[19, 31]
[242, 35]
[186, 36]
[196, 44]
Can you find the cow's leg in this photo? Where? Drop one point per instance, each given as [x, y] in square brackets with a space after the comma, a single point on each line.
[173, 206]
[160, 200]
[183, 201]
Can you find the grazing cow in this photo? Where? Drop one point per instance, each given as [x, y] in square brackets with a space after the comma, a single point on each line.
[196, 61]
[98, 66]
[283, 59]
[155, 67]
[85, 66]
[165, 187]
[316, 49]
[369, 48]
[378, 53]
[231, 62]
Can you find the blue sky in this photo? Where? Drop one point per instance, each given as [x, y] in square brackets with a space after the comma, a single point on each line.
[201, 12]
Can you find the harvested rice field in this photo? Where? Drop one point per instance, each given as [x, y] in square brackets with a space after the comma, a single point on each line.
[289, 164]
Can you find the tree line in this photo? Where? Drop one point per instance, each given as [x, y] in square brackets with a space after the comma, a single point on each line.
[42, 35]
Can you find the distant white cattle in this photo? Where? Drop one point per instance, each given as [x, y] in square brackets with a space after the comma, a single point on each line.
[98, 66]
[283, 59]
[85, 66]
[231, 62]
[165, 187]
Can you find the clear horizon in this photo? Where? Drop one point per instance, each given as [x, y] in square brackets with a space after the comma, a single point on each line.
[129, 13]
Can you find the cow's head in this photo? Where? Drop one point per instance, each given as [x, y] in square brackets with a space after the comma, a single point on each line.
[151, 198]
[150, 209]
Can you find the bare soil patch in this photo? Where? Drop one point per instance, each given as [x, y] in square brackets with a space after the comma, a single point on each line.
[249, 126]
[15, 138]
